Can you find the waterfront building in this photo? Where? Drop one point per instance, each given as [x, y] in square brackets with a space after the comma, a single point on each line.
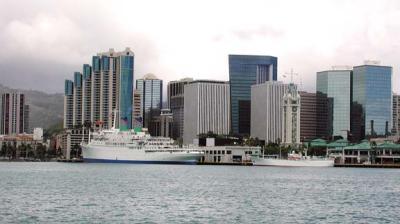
[396, 115]
[162, 125]
[232, 155]
[371, 100]
[245, 71]
[68, 104]
[206, 109]
[77, 100]
[291, 116]
[175, 94]
[267, 111]
[336, 86]
[86, 93]
[14, 115]
[71, 139]
[22, 142]
[150, 89]
[38, 134]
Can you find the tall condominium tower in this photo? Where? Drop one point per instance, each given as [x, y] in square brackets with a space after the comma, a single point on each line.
[86, 93]
[175, 94]
[206, 109]
[150, 89]
[103, 88]
[267, 111]
[291, 116]
[112, 88]
[336, 86]
[13, 113]
[77, 100]
[245, 71]
[68, 104]
[371, 100]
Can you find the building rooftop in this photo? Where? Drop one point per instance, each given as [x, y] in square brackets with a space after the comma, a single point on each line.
[209, 81]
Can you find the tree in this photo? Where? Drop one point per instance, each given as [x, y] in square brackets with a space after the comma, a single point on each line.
[29, 151]
[40, 151]
[3, 149]
[11, 151]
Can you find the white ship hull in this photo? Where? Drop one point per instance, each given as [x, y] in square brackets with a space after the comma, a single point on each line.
[293, 163]
[126, 155]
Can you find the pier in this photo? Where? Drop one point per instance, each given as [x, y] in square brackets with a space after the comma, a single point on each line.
[368, 165]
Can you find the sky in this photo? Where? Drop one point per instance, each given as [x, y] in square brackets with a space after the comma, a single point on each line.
[44, 41]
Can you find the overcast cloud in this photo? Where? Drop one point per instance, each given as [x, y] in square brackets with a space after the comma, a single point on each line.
[44, 42]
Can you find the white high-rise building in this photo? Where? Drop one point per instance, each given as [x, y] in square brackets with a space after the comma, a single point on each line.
[206, 109]
[291, 116]
[267, 111]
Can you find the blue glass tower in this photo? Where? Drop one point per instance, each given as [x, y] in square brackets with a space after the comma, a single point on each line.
[372, 101]
[126, 91]
[245, 71]
[336, 86]
[150, 89]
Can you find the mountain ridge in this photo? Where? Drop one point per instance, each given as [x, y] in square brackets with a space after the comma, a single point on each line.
[46, 109]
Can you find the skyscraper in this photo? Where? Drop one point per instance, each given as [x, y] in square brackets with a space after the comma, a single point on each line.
[150, 89]
[104, 88]
[245, 71]
[175, 94]
[267, 111]
[12, 113]
[68, 104]
[291, 116]
[206, 109]
[372, 100]
[86, 93]
[77, 99]
[308, 116]
[336, 86]
[113, 88]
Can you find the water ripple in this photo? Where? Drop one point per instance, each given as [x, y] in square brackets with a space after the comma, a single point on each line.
[122, 193]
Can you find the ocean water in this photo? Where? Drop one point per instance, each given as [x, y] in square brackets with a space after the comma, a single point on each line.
[126, 193]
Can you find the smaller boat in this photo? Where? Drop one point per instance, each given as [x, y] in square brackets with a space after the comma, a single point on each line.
[293, 160]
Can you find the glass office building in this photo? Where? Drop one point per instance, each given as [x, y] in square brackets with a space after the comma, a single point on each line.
[150, 89]
[245, 71]
[336, 86]
[372, 101]
[126, 91]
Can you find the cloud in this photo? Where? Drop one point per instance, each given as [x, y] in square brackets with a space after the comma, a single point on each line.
[45, 41]
[262, 31]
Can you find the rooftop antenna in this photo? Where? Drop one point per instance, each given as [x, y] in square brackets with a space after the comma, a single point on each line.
[291, 75]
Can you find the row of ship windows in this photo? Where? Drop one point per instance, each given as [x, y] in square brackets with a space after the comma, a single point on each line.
[228, 152]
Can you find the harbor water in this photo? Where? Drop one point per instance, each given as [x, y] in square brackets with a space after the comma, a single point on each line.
[125, 193]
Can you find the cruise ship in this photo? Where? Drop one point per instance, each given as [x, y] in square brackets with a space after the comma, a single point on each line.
[133, 146]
